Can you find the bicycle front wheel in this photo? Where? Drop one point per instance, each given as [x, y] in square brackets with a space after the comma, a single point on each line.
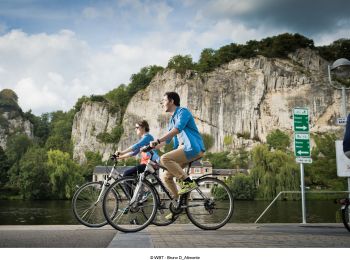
[210, 206]
[86, 207]
[345, 216]
[130, 217]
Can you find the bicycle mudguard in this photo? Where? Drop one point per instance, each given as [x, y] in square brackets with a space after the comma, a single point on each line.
[209, 174]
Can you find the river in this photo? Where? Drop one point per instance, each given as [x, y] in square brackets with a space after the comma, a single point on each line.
[60, 213]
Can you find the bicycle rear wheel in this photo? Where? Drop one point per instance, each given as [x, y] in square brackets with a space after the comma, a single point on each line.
[87, 210]
[210, 206]
[345, 216]
[130, 217]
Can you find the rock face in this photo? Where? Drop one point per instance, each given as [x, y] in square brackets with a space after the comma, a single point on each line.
[92, 119]
[246, 97]
[12, 123]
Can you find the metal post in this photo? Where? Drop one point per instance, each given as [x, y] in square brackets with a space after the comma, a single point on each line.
[302, 193]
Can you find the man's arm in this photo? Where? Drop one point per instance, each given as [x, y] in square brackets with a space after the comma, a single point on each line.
[169, 135]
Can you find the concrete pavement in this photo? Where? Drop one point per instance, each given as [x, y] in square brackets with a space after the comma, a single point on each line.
[179, 236]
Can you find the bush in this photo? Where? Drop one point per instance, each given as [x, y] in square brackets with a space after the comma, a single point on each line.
[242, 187]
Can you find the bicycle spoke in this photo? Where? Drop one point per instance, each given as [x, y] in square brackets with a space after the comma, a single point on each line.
[204, 209]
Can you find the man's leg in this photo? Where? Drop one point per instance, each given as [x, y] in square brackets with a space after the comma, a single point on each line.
[175, 161]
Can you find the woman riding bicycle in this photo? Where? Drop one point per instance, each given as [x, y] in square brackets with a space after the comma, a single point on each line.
[142, 131]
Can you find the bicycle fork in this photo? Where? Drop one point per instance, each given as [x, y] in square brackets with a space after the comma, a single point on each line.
[104, 186]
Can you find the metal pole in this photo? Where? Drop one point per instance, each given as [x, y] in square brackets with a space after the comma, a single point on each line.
[302, 193]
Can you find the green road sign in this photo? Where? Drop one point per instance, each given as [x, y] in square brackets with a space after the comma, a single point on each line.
[302, 144]
[301, 119]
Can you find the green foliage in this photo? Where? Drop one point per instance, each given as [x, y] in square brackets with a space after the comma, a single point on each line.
[8, 101]
[112, 137]
[34, 180]
[60, 131]
[244, 135]
[239, 159]
[323, 171]
[208, 61]
[338, 49]
[219, 193]
[219, 160]
[181, 63]
[208, 141]
[4, 167]
[64, 174]
[80, 103]
[273, 171]
[92, 160]
[41, 126]
[118, 99]
[142, 79]
[278, 140]
[274, 47]
[228, 139]
[242, 187]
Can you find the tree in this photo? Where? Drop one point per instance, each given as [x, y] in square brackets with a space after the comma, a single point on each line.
[181, 63]
[142, 79]
[278, 140]
[4, 167]
[219, 160]
[34, 179]
[64, 174]
[8, 101]
[273, 171]
[208, 61]
[17, 146]
[323, 172]
[242, 187]
[92, 160]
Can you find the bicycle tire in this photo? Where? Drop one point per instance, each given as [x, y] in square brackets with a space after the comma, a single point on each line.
[345, 216]
[86, 195]
[126, 213]
[201, 210]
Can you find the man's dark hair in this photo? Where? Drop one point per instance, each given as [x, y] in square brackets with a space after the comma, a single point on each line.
[173, 96]
[144, 124]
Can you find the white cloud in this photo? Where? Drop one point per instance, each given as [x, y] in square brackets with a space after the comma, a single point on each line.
[325, 39]
[50, 72]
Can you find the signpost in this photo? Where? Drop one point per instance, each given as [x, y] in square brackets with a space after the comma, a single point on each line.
[341, 121]
[302, 147]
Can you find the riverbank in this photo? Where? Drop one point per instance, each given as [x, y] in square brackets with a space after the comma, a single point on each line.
[60, 212]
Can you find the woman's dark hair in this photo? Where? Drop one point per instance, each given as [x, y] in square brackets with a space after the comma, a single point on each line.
[144, 124]
[174, 96]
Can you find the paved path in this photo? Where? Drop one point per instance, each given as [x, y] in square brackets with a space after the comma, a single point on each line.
[180, 236]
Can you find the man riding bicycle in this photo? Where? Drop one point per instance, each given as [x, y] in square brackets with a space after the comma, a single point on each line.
[188, 144]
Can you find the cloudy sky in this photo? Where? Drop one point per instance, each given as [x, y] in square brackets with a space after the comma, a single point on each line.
[54, 51]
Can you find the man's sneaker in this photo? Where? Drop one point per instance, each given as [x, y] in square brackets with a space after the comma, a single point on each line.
[187, 187]
[169, 216]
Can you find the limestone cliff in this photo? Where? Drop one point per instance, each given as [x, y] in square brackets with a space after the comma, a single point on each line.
[12, 122]
[246, 97]
[92, 119]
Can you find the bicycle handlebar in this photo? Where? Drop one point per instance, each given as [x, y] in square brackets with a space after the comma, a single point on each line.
[147, 148]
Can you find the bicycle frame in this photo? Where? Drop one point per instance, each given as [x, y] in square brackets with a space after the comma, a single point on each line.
[106, 181]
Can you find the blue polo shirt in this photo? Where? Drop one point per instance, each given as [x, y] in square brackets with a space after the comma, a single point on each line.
[145, 140]
[189, 135]
[346, 140]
